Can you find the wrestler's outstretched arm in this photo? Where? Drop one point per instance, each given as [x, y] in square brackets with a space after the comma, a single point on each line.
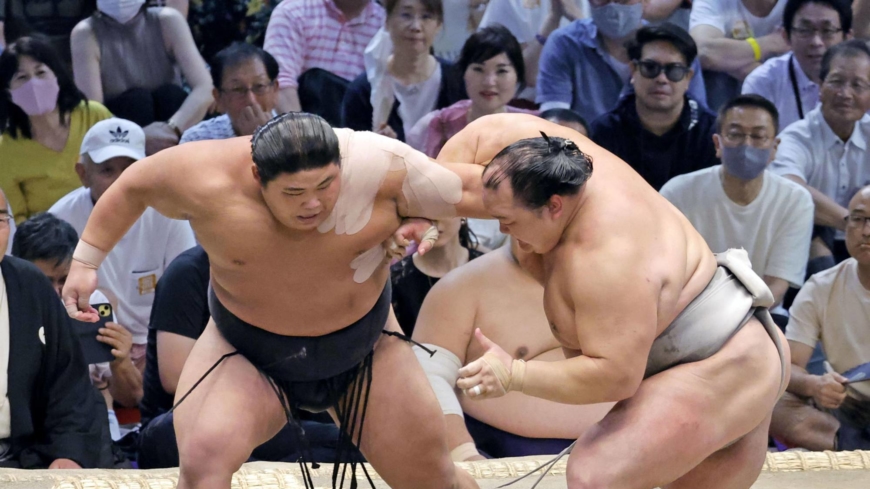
[165, 181]
[615, 301]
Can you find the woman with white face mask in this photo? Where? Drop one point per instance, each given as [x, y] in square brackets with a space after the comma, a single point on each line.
[128, 56]
[43, 119]
[491, 63]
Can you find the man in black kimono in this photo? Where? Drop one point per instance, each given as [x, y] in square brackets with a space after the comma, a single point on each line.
[50, 414]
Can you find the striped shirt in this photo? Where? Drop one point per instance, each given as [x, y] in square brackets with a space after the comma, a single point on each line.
[305, 34]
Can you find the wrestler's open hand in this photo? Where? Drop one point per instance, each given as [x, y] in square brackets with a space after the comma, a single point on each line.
[80, 284]
[490, 375]
[830, 391]
[422, 231]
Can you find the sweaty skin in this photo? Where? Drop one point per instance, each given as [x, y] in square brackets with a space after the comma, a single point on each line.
[292, 281]
[618, 264]
[494, 294]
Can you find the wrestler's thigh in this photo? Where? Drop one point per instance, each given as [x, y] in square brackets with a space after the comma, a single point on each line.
[234, 402]
[404, 435]
[678, 418]
[734, 467]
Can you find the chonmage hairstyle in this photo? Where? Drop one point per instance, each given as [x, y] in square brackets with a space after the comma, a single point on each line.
[539, 168]
[13, 120]
[45, 237]
[293, 142]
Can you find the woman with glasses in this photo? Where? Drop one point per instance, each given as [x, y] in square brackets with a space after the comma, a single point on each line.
[43, 119]
[403, 80]
[129, 57]
[493, 70]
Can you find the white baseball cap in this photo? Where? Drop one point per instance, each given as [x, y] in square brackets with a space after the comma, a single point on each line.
[114, 137]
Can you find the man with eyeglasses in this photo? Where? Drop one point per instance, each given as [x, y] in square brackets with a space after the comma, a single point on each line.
[740, 205]
[791, 81]
[246, 91]
[829, 150]
[829, 412]
[660, 130]
[585, 65]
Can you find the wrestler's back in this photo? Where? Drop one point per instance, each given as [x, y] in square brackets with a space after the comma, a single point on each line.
[619, 207]
[280, 280]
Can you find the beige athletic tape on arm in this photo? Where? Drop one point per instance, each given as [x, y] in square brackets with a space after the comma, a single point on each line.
[431, 190]
[89, 255]
[442, 370]
[510, 380]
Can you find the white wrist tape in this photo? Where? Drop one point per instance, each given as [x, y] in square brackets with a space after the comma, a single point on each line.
[463, 452]
[442, 369]
[89, 255]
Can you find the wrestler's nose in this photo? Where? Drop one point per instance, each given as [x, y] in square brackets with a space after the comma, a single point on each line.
[311, 203]
[503, 229]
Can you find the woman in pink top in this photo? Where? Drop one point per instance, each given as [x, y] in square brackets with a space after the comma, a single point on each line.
[492, 65]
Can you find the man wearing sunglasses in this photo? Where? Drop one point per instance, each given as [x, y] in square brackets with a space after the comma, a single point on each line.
[660, 130]
[791, 81]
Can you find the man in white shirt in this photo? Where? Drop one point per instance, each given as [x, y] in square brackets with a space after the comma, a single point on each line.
[739, 204]
[828, 151]
[826, 412]
[791, 81]
[734, 37]
[132, 269]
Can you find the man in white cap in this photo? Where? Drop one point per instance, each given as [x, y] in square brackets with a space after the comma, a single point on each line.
[131, 270]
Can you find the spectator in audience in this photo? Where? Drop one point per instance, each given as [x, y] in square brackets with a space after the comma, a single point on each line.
[734, 37]
[9, 213]
[791, 81]
[585, 66]
[178, 318]
[246, 91]
[415, 275]
[567, 118]
[822, 412]
[660, 130]
[43, 117]
[404, 82]
[828, 151]
[532, 23]
[861, 12]
[132, 269]
[128, 56]
[461, 18]
[215, 24]
[496, 295]
[739, 204]
[327, 35]
[676, 12]
[48, 243]
[54, 19]
[492, 67]
[50, 417]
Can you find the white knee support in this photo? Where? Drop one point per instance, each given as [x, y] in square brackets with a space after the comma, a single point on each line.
[442, 369]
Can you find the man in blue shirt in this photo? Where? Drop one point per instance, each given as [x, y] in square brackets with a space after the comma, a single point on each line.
[585, 66]
[660, 130]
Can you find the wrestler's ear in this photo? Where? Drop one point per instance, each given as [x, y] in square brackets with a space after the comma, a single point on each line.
[555, 206]
[256, 174]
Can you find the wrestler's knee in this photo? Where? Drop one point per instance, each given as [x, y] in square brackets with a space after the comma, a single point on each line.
[586, 469]
[205, 454]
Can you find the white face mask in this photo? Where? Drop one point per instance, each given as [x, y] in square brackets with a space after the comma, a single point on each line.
[120, 10]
